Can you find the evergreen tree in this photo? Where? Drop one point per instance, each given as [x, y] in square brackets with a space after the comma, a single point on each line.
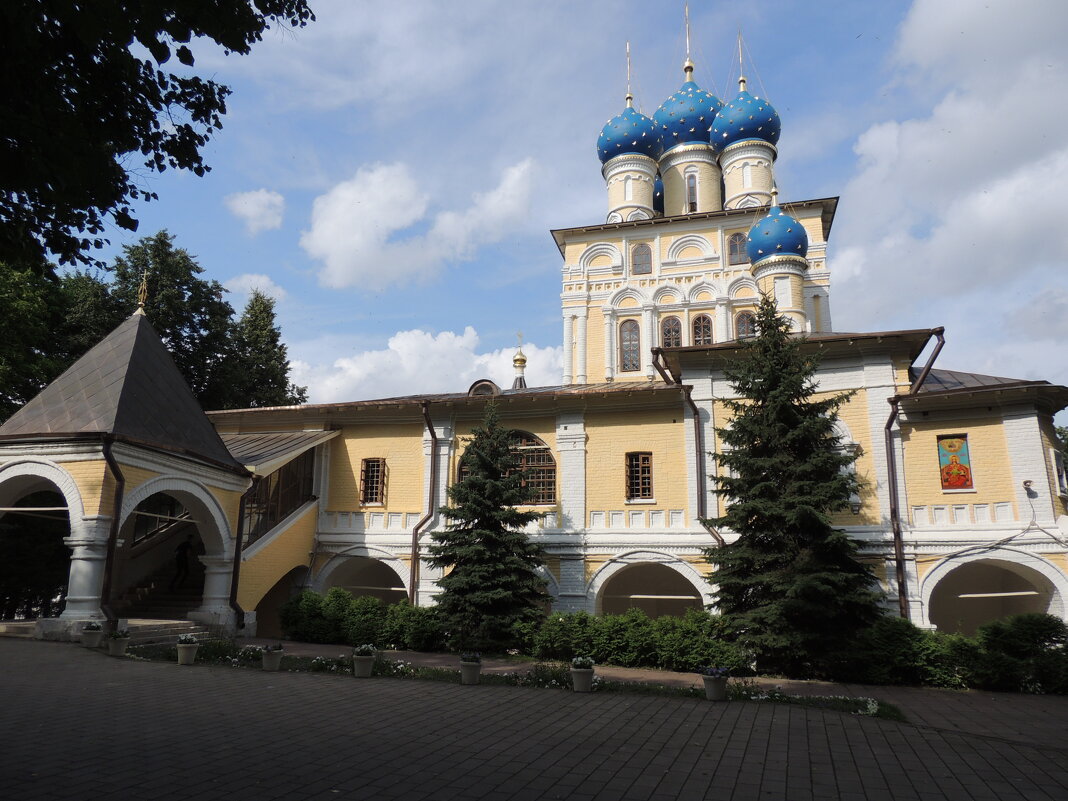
[90, 313]
[188, 312]
[30, 308]
[260, 369]
[790, 586]
[491, 584]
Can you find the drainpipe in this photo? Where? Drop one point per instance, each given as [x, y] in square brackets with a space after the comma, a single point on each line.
[699, 444]
[432, 494]
[113, 532]
[239, 613]
[891, 470]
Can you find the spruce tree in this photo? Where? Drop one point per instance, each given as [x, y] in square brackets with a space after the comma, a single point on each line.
[260, 371]
[491, 583]
[790, 586]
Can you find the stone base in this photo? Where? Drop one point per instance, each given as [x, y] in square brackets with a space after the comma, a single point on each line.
[59, 629]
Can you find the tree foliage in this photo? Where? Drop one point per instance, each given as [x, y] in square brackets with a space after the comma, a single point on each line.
[259, 375]
[790, 586]
[491, 583]
[27, 357]
[87, 100]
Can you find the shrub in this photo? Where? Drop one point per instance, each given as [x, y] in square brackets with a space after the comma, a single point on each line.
[302, 618]
[628, 639]
[695, 640]
[562, 636]
[890, 651]
[364, 619]
[1023, 653]
[413, 628]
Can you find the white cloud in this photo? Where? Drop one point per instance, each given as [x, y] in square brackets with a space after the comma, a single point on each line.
[241, 287]
[358, 227]
[419, 362]
[260, 210]
[952, 217]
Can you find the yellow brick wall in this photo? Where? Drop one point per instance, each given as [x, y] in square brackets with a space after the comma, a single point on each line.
[611, 435]
[991, 470]
[136, 476]
[286, 551]
[594, 345]
[95, 484]
[401, 445]
[230, 501]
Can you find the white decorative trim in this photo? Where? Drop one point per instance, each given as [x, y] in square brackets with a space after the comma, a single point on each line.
[622, 561]
[51, 472]
[320, 580]
[689, 241]
[601, 249]
[214, 531]
[738, 284]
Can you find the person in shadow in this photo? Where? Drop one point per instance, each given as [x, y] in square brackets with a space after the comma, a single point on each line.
[182, 555]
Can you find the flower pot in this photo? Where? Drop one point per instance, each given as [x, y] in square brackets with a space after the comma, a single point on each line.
[187, 652]
[715, 688]
[469, 672]
[582, 679]
[117, 646]
[272, 660]
[91, 639]
[362, 666]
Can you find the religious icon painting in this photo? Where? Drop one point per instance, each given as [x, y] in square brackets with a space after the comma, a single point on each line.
[954, 462]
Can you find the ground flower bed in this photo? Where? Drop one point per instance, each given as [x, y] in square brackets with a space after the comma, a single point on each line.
[544, 675]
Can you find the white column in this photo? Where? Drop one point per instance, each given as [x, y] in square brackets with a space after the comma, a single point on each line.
[609, 343]
[571, 446]
[89, 550]
[580, 324]
[649, 340]
[215, 602]
[723, 319]
[568, 347]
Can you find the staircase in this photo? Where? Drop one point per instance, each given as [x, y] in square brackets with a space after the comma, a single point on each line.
[143, 632]
[153, 600]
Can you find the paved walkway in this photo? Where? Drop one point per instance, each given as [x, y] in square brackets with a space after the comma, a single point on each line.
[80, 725]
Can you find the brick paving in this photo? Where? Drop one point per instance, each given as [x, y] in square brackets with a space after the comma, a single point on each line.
[80, 725]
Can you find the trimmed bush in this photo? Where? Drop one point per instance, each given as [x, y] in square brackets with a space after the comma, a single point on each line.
[364, 620]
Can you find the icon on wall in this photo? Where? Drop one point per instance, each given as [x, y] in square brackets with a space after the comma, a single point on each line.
[954, 462]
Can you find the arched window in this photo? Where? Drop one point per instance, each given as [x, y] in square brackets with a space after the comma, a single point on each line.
[736, 249]
[702, 330]
[641, 260]
[691, 193]
[536, 460]
[630, 348]
[670, 332]
[745, 325]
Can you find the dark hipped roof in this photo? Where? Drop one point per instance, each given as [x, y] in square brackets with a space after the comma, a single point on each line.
[941, 380]
[127, 386]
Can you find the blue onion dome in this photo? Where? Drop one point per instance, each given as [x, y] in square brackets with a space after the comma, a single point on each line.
[629, 132]
[688, 114]
[658, 195]
[745, 117]
[778, 233]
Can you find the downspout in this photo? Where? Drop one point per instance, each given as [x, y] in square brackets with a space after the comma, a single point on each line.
[891, 469]
[699, 444]
[113, 532]
[432, 494]
[235, 576]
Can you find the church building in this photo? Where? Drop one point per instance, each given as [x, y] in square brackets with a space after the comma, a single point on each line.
[963, 503]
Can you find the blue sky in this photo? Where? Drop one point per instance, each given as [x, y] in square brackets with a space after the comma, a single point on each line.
[390, 173]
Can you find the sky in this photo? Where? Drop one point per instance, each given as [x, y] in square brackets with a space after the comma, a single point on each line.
[391, 172]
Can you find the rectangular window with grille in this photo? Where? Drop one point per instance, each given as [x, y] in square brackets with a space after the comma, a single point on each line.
[639, 476]
[373, 481]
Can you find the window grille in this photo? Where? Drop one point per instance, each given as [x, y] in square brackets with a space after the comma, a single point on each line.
[745, 325]
[373, 481]
[641, 260]
[639, 476]
[671, 332]
[630, 350]
[702, 330]
[736, 253]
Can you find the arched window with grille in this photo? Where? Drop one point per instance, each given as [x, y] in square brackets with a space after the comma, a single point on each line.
[702, 330]
[641, 260]
[630, 346]
[536, 461]
[745, 325]
[670, 332]
[691, 193]
[736, 249]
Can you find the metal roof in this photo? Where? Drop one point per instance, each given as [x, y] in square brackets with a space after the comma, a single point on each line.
[127, 386]
[942, 380]
[263, 453]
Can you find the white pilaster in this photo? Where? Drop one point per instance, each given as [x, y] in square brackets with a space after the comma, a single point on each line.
[609, 343]
[569, 327]
[580, 325]
[649, 340]
[1029, 463]
[571, 445]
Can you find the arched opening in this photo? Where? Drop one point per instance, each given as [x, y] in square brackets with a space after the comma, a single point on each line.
[702, 330]
[988, 589]
[671, 332]
[736, 251]
[158, 574]
[630, 349]
[641, 260]
[362, 575]
[656, 589]
[537, 464]
[745, 325]
[34, 559]
[268, 622]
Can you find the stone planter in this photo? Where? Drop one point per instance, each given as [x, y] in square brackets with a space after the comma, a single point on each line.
[117, 646]
[362, 666]
[715, 688]
[582, 679]
[91, 639]
[470, 672]
[272, 660]
[187, 652]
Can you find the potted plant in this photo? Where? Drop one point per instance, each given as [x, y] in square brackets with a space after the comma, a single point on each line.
[363, 661]
[582, 674]
[715, 679]
[187, 649]
[470, 667]
[117, 642]
[92, 634]
[272, 657]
